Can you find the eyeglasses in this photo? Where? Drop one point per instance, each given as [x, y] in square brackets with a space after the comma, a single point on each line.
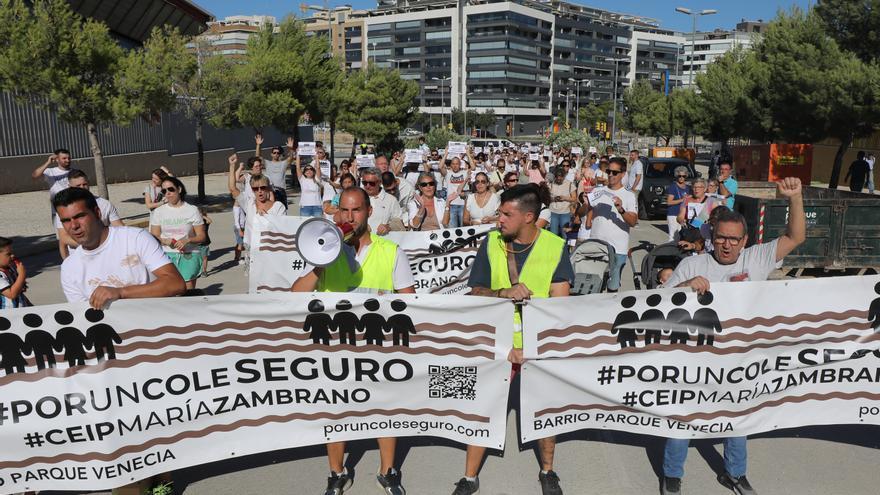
[170, 189]
[370, 183]
[734, 241]
[613, 172]
[427, 184]
[259, 188]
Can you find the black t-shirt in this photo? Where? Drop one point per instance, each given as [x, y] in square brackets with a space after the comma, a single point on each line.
[858, 170]
[481, 272]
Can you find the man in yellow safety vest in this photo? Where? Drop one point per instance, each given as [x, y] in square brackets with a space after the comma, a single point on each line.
[518, 262]
[369, 264]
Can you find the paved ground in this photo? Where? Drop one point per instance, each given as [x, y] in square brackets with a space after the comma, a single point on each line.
[828, 460]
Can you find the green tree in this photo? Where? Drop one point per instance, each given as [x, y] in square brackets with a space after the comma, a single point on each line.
[640, 103]
[571, 137]
[854, 24]
[437, 138]
[594, 112]
[53, 58]
[814, 90]
[375, 104]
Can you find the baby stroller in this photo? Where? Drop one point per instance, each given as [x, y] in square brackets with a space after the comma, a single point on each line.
[657, 258]
[591, 262]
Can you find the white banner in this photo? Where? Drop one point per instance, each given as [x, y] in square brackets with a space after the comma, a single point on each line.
[156, 385]
[366, 161]
[306, 148]
[413, 155]
[439, 259]
[456, 148]
[750, 357]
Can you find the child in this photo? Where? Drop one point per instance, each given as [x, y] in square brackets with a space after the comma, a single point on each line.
[205, 246]
[12, 278]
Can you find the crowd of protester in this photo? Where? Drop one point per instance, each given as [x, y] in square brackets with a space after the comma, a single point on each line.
[542, 201]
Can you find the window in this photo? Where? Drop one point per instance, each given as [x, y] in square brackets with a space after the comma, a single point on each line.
[486, 74]
[407, 38]
[489, 45]
[566, 43]
[623, 39]
[407, 25]
[487, 60]
[523, 47]
[520, 75]
[438, 49]
[385, 52]
[412, 50]
[438, 35]
[665, 44]
[485, 103]
[522, 61]
[379, 39]
[378, 27]
[411, 77]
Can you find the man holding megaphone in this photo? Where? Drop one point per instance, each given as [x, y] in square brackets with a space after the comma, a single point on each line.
[365, 263]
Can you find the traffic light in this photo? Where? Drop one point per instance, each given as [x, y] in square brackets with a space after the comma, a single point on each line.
[521, 128]
[598, 126]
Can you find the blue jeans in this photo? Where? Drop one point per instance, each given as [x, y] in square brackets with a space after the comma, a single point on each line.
[557, 221]
[871, 182]
[456, 216]
[311, 211]
[676, 451]
[616, 271]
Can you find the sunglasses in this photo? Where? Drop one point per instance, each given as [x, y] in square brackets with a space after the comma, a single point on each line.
[681, 176]
[170, 189]
[427, 184]
[370, 183]
[614, 172]
[259, 188]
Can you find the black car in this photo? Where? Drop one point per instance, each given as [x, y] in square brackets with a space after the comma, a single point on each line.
[658, 176]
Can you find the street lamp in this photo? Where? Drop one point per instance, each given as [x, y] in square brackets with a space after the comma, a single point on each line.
[694, 15]
[442, 104]
[464, 109]
[577, 99]
[566, 96]
[614, 100]
[513, 114]
[373, 51]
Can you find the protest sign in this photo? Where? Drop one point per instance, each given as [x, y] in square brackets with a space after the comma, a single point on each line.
[306, 148]
[413, 155]
[325, 169]
[746, 358]
[534, 157]
[440, 260]
[597, 193]
[576, 150]
[456, 148]
[152, 386]
[366, 161]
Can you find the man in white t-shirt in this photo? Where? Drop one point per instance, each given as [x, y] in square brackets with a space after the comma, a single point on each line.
[611, 213]
[635, 175]
[386, 214]
[731, 261]
[111, 262]
[109, 215]
[55, 177]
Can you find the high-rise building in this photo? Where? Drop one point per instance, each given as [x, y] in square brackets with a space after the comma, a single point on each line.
[698, 53]
[229, 37]
[346, 26]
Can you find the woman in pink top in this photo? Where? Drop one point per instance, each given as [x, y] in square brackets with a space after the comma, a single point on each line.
[536, 171]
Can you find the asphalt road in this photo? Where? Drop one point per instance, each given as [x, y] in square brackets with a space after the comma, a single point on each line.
[810, 461]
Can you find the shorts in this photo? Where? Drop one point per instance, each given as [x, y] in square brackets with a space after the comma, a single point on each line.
[188, 264]
[205, 250]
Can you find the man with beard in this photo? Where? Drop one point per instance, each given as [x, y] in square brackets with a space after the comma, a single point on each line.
[519, 262]
[368, 264]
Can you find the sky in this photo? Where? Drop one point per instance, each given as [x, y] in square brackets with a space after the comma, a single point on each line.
[729, 12]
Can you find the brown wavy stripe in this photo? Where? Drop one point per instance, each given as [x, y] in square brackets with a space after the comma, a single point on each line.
[244, 423]
[791, 332]
[273, 289]
[192, 353]
[742, 337]
[278, 249]
[563, 347]
[791, 320]
[465, 274]
[282, 235]
[277, 337]
[565, 332]
[280, 242]
[797, 399]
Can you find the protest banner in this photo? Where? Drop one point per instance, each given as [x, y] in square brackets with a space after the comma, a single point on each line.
[576, 150]
[366, 161]
[456, 148]
[534, 157]
[306, 148]
[440, 259]
[325, 169]
[151, 386]
[745, 358]
[414, 155]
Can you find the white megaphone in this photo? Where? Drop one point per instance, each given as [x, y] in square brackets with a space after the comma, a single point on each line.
[319, 241]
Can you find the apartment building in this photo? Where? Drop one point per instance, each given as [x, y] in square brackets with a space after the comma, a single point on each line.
[697, 53]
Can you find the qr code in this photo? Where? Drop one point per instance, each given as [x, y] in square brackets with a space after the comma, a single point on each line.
[452, 382]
